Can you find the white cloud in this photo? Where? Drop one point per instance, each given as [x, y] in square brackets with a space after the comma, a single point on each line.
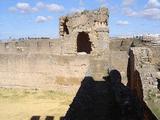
[122, 22]
[77, 9]
[153, 4]
[129, 12]
[151, 13]
[34, 9]
[147, 13]
[24, 7]
[42, 19]
[127, 2]
[54, 7]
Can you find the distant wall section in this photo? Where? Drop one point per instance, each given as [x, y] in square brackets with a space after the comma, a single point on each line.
[32, 46]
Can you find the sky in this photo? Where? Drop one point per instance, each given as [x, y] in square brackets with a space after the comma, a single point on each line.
[40, 18]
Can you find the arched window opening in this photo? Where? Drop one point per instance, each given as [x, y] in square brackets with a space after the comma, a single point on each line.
[83, 43]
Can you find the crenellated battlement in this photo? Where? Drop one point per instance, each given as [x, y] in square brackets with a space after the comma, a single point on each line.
[31, 46]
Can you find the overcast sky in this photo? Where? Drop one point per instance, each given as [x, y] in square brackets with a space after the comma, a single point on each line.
[35, 18]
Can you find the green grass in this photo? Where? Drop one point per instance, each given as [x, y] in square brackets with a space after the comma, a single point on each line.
[155, 108]
[20, 104]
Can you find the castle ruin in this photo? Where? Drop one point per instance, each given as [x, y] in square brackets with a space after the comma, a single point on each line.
[83, 49]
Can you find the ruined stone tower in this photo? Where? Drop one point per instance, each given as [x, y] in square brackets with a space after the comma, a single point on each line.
[82, 49]
[86, 31]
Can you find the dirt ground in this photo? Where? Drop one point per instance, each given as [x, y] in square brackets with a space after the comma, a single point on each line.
[20, 104]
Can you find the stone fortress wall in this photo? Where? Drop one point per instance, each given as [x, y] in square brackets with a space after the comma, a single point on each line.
[42, 64]
[82, 49]
[31, 46]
